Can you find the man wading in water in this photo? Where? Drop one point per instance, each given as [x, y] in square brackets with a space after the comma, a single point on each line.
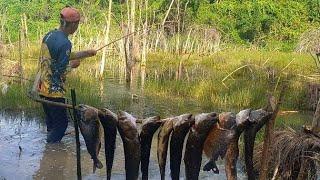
[54, 65]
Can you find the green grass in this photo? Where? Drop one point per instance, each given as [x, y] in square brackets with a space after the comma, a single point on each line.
[201, 80]
[245, 88]
[199, 89]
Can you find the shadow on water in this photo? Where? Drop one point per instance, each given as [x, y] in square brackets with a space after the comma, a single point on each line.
[37, 160]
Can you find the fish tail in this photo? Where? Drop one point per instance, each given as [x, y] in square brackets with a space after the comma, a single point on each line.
[98, 164]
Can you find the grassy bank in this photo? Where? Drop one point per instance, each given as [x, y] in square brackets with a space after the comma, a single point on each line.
[210, 80]
[213, 81]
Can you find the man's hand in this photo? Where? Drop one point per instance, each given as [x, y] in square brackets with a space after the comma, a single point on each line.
[91, 52]
[74, 63]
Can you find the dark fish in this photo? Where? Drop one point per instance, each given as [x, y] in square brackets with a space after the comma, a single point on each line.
[162, 148]
[258, 119]
[218, 139]
[149, 127]
[131, 144]
[91, 130]
[163, 141]
[242, 121]
[180, 130]
[197, 135]
[108, 120]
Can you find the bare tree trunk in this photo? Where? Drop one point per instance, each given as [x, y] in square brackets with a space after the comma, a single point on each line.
[106, 39]
[186, 45]
[178, 32]
[20, 59]
[132, 45]
[145, 27]
[24, 29]
[167, 13]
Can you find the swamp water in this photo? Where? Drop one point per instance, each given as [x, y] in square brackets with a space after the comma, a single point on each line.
[38, 160]
[25, 154]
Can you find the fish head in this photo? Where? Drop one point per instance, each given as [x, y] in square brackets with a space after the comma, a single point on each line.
[227, 120]
[150, 124]
[108, 112]
[242, 118]
[257, 116]
[88, 114]
[152, 121]
[108, 117]
[127, 124]
[205, 121]
[184, 120]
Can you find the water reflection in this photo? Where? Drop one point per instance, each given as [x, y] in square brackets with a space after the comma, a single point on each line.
[36, 160]
[53, 162]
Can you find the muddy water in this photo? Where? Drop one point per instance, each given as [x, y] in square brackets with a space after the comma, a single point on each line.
[24, 153]
[37, 160]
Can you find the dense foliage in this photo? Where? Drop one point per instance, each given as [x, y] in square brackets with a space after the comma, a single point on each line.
[263, 23]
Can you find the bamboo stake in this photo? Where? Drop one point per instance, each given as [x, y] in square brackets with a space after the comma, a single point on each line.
[76, 126]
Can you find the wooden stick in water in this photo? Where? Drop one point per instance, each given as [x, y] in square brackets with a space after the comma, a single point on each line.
[76, 126]
[268, 135]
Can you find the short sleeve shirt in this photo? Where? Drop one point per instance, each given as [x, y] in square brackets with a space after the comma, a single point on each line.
[54, 64]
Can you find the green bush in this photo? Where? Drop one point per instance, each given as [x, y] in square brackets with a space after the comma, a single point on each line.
[263, 23]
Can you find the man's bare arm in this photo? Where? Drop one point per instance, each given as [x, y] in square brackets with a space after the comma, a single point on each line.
[83, 54]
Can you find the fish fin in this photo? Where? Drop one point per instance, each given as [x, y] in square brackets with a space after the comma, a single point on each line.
[211, 165]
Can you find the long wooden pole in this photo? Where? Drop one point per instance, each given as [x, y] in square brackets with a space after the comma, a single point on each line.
[76, 126]
[117, 40]
[65, 105]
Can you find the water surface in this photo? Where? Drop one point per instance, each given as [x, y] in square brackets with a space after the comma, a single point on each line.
[25, 154]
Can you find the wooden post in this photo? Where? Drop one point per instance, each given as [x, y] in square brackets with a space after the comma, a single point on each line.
[316, 119]
[268, 135]
[76, 126]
